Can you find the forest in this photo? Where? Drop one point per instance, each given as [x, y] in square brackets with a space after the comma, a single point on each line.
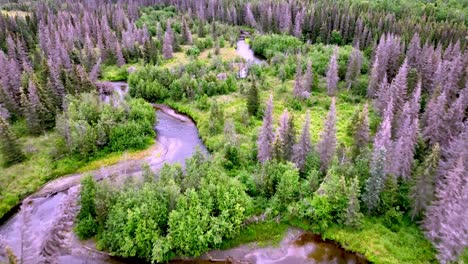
[347, 119]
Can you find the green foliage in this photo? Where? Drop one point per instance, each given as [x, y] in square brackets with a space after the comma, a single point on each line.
[189, 224]
[135, 221]
[156, 84]
[193, 51]
[287, 190]
[335, 202]
[153, 220]
[268, 45]
[10, 149]
[270, 174]
[382, 245]
[129, 135]
[262, 233]
[159, 13]
[114, 73]
[253, 100]
[86, 225]
[216, 119]
[336, 38]
[88, 125]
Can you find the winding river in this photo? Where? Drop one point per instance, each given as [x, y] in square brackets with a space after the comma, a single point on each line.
[42, 229]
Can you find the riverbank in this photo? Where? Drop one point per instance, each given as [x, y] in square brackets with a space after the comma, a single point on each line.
[21, 180]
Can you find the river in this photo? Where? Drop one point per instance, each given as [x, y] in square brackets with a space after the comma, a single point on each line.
[42, 229]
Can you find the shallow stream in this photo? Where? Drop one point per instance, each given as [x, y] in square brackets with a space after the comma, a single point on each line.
[41, 230]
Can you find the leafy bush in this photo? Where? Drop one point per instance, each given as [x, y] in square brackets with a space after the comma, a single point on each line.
[86, 225]
[114, 73]
[193, 51]
[156, 84]
[268, 45]
[88, 125]
[129, 135]
[157, 13]
[154, 221]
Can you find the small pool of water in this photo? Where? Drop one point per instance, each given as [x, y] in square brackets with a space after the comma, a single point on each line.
[244, 51]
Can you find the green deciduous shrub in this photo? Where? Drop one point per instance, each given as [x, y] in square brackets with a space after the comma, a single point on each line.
[181, 214]
[89, 125]
[86, 225]
[268, 45]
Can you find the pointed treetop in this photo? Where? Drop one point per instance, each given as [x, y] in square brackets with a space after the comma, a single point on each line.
[332, 74]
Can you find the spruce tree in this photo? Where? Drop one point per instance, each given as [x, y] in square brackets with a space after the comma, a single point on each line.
[361, 131]
[354, 68]
[285, 137]
[249, 17]
[433, 129]
[266, 136]
[186, 34]
[168, 42]
[303, 146]
[398, 87]
[253, 100]
[423, 183]
[456, 148]
[374, 79]
[414, 51]
[33, 110]
[298, 90]
[353, 210]
[445, 221]
[327, 144]
[308, 78]
[9, 146]
[378, 166]
[118, 55]
[332, 74]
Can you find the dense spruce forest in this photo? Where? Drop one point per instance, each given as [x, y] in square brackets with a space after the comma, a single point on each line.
[351, 123]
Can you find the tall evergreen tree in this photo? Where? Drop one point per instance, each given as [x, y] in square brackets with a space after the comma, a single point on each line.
[285, 19]
[249, 17]
[298, 23]
[298, 89]
[118, 55]
[455, 114]
[402, 151]
[354, 68]
[374, 79]
[303, 146]
[168, 42]
[253, 100]
[456, 148]
[186, 34]
[361, 131]
[285, 137]
[332, 74]
[414, 52]
[308, 78]
[93, 74]
[266, 136]
[353, 210]
[423, 183]
[9, 146]
[398, 87]
[445, 221]
[327, 144]
[33, 110]
[433, 130]
[378, 167]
